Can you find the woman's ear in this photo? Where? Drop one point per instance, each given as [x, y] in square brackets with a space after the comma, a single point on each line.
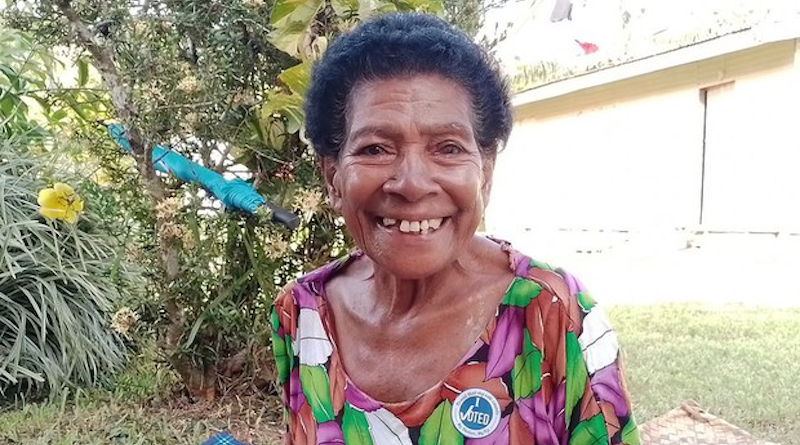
[330, 168]
[488, 174]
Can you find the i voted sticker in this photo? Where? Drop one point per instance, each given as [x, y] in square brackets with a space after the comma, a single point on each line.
[476, 413]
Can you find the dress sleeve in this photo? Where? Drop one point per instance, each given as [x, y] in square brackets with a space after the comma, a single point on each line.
[283, 329]
[595, 385]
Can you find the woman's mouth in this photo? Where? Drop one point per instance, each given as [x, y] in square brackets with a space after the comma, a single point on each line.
[420, 227]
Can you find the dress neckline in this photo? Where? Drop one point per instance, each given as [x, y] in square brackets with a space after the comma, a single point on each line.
[517, 262]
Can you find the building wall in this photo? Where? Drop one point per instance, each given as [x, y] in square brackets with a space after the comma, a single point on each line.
[630, 155]
[752, 175]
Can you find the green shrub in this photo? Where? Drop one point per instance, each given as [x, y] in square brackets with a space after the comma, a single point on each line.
[58, 284]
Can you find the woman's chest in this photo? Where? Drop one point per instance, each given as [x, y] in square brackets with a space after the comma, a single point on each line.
[394, 365]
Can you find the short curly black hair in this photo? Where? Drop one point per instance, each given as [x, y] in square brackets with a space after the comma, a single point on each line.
[399, 45]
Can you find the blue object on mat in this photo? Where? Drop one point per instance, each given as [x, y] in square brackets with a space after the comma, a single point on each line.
[223, 438]
[234, 193]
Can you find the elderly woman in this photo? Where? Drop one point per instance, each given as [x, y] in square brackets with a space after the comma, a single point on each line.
[429, 334]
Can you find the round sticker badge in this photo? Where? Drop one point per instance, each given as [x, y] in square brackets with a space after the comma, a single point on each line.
[475, 413]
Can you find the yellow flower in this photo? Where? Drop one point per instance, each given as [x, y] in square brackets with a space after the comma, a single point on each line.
[60, 202]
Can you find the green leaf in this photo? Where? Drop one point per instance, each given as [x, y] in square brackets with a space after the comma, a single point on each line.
[439, 428]
[284, 8]
[76, 106]
[253, 122]
[12, 105]
[290, 106]
[316, 388]
[291, 21]
[281, 103]
[284, 356]
[576, 375]
[224, 295]
[12, 76]
[630, 433]
[58, 115]
[429, 6]
[526, 377]
[521, 292]
[540, 265]
[297, 77]
[591, 431]
[355, 427]
[274, 320]
[294, 122]
[83, 72]
[344, 7]
[586, 301]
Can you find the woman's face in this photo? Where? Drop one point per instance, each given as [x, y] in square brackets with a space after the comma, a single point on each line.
[410, 180]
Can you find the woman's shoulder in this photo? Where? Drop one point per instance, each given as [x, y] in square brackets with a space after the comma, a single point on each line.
[555, 279]
[302, 291]
[552, 286]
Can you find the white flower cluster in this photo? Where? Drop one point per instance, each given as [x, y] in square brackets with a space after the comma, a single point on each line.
[189, 84]
[171, 229]
[276, 248]
[168, 208]
[123, 320]
[308, 200]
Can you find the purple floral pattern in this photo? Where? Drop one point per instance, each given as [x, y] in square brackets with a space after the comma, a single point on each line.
[577, 402]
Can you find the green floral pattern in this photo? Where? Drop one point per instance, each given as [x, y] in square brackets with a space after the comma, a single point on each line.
[550, 358]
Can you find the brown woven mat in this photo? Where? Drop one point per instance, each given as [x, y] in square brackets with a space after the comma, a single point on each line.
[690, 425]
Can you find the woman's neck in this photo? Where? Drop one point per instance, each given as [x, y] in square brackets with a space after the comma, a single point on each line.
[394, 297]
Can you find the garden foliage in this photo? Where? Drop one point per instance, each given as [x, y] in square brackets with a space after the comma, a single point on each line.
[222, 83]
[58, 284]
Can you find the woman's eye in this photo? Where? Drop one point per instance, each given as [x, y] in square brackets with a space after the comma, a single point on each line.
[451, 149]
[374, 150]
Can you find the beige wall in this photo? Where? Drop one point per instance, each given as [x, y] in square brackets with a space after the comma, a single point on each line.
[753, 153]
[629, 155]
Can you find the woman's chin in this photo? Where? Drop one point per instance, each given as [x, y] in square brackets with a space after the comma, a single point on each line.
[412, 268]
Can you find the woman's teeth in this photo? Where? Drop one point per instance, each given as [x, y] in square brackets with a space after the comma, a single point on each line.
[406, 226]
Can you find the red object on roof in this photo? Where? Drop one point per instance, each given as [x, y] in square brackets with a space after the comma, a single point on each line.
[587, 47]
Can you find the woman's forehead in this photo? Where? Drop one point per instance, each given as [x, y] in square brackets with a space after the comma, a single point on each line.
[371, 84]
[429, 101]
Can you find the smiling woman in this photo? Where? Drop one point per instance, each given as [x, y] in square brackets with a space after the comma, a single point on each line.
[410, 179]
[428, 333]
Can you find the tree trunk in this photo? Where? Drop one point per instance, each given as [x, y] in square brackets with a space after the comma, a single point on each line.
[200, 380]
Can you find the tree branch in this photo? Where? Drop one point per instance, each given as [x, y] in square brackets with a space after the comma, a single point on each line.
[220, 166]
[192, 105]
[169, 243]
[120, 96]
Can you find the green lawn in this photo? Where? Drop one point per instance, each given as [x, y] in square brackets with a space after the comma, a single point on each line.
[102, 421]
[740, 364]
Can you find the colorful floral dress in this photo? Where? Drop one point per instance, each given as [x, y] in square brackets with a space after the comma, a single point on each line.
[545, 371]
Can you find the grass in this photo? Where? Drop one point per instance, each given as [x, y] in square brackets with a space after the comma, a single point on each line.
[741, 364]
[98, 420]
[140, 407]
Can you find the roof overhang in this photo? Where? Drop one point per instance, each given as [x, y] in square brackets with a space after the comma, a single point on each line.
[729, 43]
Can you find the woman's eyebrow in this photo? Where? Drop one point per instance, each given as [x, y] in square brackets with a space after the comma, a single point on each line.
[372, 130]
[453, 128]
[391, 130]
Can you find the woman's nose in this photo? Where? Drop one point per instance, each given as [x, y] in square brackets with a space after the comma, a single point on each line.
[412, 178]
